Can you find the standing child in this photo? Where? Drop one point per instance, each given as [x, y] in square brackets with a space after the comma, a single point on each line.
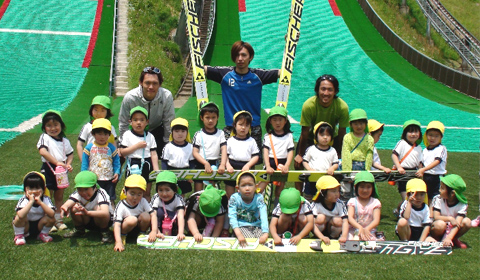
[434, 158]
[450, 220]
[242, 150]
[407, 155]
[55, 150]
[292, 217]
[278, 146]
[34, 211]
[247, 211]
[209, 144]
[375, 129]
[102, 158]
[206, 210]
[331, 216]
[169, 206]
[321, 156]
[134, 213]
[364, 209]
[177, 154]
[414, 223]
[89, 207]
[100, 108]
[139, 146]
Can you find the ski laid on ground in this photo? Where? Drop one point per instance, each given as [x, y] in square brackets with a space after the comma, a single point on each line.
[291, 176]
[193, 26]
[292, 38]
[383, 247]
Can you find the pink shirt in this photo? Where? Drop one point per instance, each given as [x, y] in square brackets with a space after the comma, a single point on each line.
[364, 214]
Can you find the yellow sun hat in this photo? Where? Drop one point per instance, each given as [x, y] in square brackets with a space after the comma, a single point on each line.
[417, 185]
[324, 183]
[179, 122]
[433, 125]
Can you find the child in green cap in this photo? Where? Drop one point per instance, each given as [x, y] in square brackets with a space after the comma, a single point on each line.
[89, 207]
[357, 149]
[292, 218]
[139, 147]
[100, 108]
[450, 220]
[206, 210]
[364, 209]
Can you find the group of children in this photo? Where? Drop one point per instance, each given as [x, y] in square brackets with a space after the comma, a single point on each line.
[240, 207]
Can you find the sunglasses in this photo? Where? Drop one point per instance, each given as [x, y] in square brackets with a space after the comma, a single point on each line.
[327, 77]
[151, 69]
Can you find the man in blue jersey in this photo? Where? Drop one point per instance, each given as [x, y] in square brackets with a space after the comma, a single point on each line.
[242, 87]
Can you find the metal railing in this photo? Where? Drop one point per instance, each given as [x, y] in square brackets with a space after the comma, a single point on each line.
[114, 51]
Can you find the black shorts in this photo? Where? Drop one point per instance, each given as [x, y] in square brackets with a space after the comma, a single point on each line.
[402, 185]
[433, 184]
[273, 164]
[415, 233]
[236, 165]
[109, 187]
[158, 134]
[51, 180]
[147, 167]
[92, 226]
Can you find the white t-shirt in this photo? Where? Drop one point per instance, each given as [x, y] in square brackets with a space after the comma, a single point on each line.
[281, 143]
[305, 209]
[439, 204]
[123, 209]
[99, 197]
[412, 161]
[430, 155]
[131, 138]
[175, 204]
[320, 160]
[36, 212]
[87, 137]
[419, 217]
[339, 210]
[376, 159]
[60, 149]
[177, 156]
[242, 149]
[209, 144]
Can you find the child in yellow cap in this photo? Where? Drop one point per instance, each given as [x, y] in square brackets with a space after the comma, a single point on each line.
[434, 158]
[292, 216]
[375, 128]
[134, 213]
[450, 220]
[331, 216]
[414, 223]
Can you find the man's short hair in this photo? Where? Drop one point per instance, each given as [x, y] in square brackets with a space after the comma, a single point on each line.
[151, 70]
[329, 78]
[238, 46]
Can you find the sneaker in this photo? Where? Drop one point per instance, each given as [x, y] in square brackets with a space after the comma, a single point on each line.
[107, 237]
[476, 222]
[19, 239]
[53, 229]
[74, 233]
[60, 225]
[459, 244]
[44, 237]
[380, 236]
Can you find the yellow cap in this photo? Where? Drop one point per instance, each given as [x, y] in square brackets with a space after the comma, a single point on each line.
[433, 125]
[236, 115]
[324, 183]
[417, 185]
[180, 122]
[136, 181]
[374, 125]
[102, 123]
[315, 132]
[246, 172]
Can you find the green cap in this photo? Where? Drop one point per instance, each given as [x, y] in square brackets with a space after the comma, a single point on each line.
[200, 122]
[276, 111]
[166, 177]
[413, 122]
[86, 179]
[139, 109]
[210, 201]
[51, 111]
[365, 176]
[102, 100]
[358, 114]
[290, 200]
[456, 183]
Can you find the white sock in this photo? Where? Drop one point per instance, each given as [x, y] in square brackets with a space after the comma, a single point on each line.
[46, 230]
[18, 230]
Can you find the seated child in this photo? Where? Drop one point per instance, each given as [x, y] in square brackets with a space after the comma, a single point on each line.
[434, 158]
[206, 210]
[35, 212]
[450, 220]
[291, 217]
[375, 129]
[414, 223]
[102, 157]
[331, 216]
[169, 206]
[242, 150]
[209, 144]
[364, 209]
[321, 156]
[89, 206]
[177, 154]
[247, 211]
[134, 213]
[357, 148]
[139, 147]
